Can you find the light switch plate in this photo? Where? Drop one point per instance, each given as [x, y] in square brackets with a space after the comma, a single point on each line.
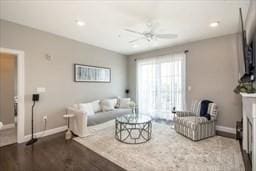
[40, 89]
[189, 88]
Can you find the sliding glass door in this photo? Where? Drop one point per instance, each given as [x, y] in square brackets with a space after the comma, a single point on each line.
[161, 85]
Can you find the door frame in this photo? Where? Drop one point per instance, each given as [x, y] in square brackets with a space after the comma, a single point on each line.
[20, 91]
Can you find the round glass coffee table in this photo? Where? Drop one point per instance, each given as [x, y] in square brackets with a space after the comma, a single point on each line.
[133, 128]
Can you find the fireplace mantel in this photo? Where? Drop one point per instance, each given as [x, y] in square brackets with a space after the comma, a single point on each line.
[252, 95]
[249, 120]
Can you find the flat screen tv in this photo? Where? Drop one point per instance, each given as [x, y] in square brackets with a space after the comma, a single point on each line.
[249, 55]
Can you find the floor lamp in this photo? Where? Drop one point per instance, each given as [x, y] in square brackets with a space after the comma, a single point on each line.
[35, 98]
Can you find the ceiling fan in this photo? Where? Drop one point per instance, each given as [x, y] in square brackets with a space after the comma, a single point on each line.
[150, 34]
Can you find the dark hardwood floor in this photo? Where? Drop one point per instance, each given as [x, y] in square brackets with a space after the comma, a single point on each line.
[53, 153]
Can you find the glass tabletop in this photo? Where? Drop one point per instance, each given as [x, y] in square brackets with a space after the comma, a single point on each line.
[134, 118]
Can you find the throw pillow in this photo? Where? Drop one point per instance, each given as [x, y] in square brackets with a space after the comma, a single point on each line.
[87, 108]
[124, 102]
[96, 106]
[117, 104]
[204, 109]
[108, 104]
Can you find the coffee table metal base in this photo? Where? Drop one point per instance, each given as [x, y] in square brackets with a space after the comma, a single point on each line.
[135, 133]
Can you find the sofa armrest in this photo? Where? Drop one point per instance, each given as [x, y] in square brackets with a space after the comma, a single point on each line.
[184, 113]
[78, 124]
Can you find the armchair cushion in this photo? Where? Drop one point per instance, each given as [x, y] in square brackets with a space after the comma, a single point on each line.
[191, 121]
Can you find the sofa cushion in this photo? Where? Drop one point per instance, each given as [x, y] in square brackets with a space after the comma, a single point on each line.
[108, 104]
[191, 121]
[96, 106]
[124, 102]
[87, 108]
[101, 117]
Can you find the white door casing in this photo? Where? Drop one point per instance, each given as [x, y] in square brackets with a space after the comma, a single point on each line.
[20, 91]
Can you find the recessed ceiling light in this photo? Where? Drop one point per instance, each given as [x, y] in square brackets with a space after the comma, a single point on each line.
[214, 24]
[80, 23]
[134, 45]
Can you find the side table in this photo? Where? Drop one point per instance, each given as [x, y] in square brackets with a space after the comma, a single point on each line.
[68, 134]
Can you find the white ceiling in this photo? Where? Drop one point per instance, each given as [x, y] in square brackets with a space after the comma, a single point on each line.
[106, 20]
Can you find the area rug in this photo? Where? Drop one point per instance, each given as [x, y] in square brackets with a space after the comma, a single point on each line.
[166, 151]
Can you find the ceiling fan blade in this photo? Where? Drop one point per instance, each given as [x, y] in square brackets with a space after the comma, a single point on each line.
[153, 27]
[135, 40]
[132, 31]
[166, 36]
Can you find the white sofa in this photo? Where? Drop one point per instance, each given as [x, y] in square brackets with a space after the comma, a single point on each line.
[96, 112]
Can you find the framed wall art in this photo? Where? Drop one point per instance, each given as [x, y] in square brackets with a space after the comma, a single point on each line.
[88, 73]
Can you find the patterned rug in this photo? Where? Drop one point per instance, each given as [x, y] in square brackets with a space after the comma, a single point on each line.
[166, 151]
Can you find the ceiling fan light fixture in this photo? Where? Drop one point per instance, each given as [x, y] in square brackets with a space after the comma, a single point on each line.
[135, 45]
[150, 36]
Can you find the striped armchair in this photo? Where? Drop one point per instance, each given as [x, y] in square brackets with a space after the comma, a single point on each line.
[193, 126]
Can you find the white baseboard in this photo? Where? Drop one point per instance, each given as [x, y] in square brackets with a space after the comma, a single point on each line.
[45, 133]
[63, 128]
[226, 129]
[8, 126]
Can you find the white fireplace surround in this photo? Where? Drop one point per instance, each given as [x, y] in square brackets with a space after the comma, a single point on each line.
[249, 113]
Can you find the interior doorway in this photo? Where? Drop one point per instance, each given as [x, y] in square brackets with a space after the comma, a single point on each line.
[8, 98]
[18, 100]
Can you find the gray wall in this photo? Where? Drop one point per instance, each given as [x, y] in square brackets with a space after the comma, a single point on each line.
[57, 75]
[212, 72]
[7, 87]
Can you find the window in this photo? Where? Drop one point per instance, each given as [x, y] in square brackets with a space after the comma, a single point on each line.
[161, 85]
